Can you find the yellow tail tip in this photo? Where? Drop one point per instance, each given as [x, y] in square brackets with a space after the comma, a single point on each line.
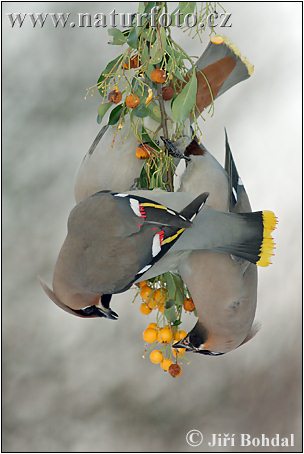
[219, 39]
[268, 245]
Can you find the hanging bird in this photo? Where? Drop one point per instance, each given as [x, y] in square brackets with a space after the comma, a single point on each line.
[110, 162]
[223, 287]
[112, 240]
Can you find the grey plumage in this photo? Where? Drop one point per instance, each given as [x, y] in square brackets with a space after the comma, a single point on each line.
[223, 287]
[111, 239]
[214, 53]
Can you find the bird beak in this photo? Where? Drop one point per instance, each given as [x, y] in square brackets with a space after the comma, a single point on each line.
[183, 344]
[90, 312]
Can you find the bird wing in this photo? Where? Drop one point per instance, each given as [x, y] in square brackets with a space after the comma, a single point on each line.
[239, 201]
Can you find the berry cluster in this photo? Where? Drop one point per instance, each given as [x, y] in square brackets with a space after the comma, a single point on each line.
[159, 336]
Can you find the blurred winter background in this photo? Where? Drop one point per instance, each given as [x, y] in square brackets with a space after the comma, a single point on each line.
[82, 385]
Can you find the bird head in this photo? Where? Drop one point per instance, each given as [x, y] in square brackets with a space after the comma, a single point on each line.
[88, 311]
[196, 341]
[199, 340]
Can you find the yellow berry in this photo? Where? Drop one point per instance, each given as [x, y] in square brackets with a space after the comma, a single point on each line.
[144, 309]
[150, 335]
[156, 356]
[165, 364]
[142, 284]
[166, 334]
[153, 325]
[179, 335]
[145, 293]
[143, 151]
[160, 296]
[152, 303]
[159, 338]
[178, 352]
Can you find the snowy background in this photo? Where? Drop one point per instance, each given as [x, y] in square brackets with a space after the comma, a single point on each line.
[81, 385]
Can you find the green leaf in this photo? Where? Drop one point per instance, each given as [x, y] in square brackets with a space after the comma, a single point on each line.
[141, 111]
[154, 111]
[115, 114]
[185, 100]
[137, 88]
[149, 70]
[179, 296]
[169, 304]
[156, 54]
[179, 74]
[144, 58]
[149, 6]
[170, 314]
[103, 108]
[158, 51]
[183, 8]
[177, 322]
[141, 7]
[187, 7]
[145, 138]
[118, 37]
[170, 286]
[163, 38]
[106, 72]
[143, 179]
[178, 281]
[133, 38]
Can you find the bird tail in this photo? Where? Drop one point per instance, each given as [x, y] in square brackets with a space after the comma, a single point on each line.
[267, 245]
[220, 67]
[256, 243]
[245, 235]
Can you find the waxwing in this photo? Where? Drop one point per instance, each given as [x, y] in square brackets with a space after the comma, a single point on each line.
[112, 240]
[110, 162]
[223, 287]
